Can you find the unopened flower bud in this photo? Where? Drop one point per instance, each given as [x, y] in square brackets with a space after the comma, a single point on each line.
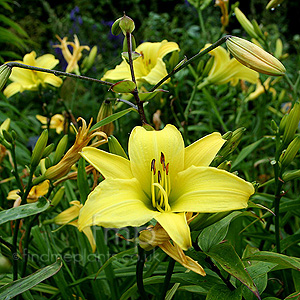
[289, 154]
[104, 112]
[245, 23]
[278, 49]
[274, 126]
[273, 4]
[115, 147]
[60, 149]
[291, 175]
[254, 57]
[89, 60]
[48, 150]
[225, 165]
[126, 24]
[57, 197]
[283, 123]
[5, 72]
[115, 28]
[39, 148]
[152, 237]
[5, 125]
[291, 124]
[232, 143]
[7, 136]
[208, 66]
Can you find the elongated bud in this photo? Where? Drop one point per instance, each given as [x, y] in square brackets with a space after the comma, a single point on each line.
[126, 24]
[7, 136]
[57, 198]
[289, 154]
[273, 4]
[47, 162]
[48, 150]
[89, 60]
[245, 23]
[291, 175]
[278, 50]
[60, 149]
[208, 66]
[104, 112]
[174, 59]
[39, 148]
[115, 147]
[274, 126]
[5, 72]
[291, 124]
[257, 29]
[115, 28]
[225, 165]
[282, 123]
[5, 125]
[254, 57]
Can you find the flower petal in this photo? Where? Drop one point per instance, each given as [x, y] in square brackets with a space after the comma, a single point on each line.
[203, 151]
[177, 228]
[121, 71]
[209, 190]
[108, 164]
[144, 146]
[116, 203]
[89, 234]
[12, 89]
[157, 73]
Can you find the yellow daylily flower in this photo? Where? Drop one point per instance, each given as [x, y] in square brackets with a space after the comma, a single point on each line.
[34, 194]
[162, 180]
[70, 214]
[260, 89]
[71, 58]
[226, 69]
[57, 122]
[148, 67]
[24, 79]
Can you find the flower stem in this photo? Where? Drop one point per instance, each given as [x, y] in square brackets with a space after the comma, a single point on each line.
[167, 278]
[198, 55]
[139, 273]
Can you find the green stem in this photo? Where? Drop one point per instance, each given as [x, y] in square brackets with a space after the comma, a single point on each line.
[167, 278]
[200, 16]
[187, 109]
[139, 273]
[198, 55]
[56, 73]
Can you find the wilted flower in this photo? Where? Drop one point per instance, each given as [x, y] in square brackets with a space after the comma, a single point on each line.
[226, 69]
[149, 67]
[260, 89]
[24, 79]
[223, 4]
[71, 58]
[69, 217]
[162, 180]
[57, 122]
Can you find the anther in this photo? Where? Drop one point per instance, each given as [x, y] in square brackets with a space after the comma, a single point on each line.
[167, 169]
[153, 166]
[158, 177]
[162, 158]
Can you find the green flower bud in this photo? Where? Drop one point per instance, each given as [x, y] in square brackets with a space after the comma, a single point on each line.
[48, 150]
[89, 60]
[5, 72]
[208, 66]
[7, 136]
[289, 154]
[273, 4]
[57, 198]
[278, 49]
[254, 57]
[126, 24]
[5, 125]
[291, 175]
[225, 165]
[274, 126]
[60, 149]
[39, 148]
[47, 163]
[245, 23]
[283, 123]
[104, 112]
[232, 143]
[291, 124]
[115, 28]
[115, 147]
[257, 29]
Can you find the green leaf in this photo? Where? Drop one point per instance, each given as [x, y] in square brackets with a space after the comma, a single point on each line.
[82, 182]
[112, 118]
[24, 211]
[124, 86]
[13, 24]
[215, 233]
[225, 255]
[282, 260]
[222, 292]
[246, 151]
[19, 286]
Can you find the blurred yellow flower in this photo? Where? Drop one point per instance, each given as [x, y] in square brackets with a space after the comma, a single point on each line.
[71, 58]
[24, 79]
[68, 216]
[57, 122]
[226, 69]
[149, 67]
[260, 89]
[34, 194]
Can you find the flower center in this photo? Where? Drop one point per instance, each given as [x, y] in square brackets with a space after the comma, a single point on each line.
[160, 185]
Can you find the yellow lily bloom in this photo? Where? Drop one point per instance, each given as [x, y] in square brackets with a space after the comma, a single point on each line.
[71, 213]
[260, 89]
[162, 180]
[226, 69]
[149, 67]
[57, 122]
[34, 194]
[71, 58]
[24, 79]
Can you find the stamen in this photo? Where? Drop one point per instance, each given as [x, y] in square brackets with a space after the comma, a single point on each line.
[164, 198]
[153, 166]
[162, 158]
[167, 169]
[158, 177]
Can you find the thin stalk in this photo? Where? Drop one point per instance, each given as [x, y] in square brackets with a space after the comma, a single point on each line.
[192, 97]
[167, 278]
[56, 73]
[198, 55]
[201, 21]
[139, 273]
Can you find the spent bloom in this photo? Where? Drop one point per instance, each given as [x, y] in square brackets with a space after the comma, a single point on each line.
[149, 67]
[71, 58]
[24, 79]
[261, 89]
[57, 122]
[69, 217]
[161, 180]
[226, 69]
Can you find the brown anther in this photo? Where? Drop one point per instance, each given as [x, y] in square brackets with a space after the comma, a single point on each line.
[153, 166]
[158, 176]
[167, 169]
[162, 158]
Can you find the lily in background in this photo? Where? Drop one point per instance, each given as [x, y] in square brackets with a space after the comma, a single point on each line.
[261, 89]
[149, 67]
[24, 79]
[226, 69]
[57, 122]
[162, 180]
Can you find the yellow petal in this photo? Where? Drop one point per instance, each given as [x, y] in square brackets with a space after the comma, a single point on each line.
[12, 89]
[13, 195]
[157, 72]
[42, 119]
[120, 72]
[69, 214]
[221, 58]
[209, 190]
[167, 47]
[177, 228]
[203, 151]
[47, 61]
[109, 165]
[53, 80]
[116, 203]
[89, 234]
[144, 146]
